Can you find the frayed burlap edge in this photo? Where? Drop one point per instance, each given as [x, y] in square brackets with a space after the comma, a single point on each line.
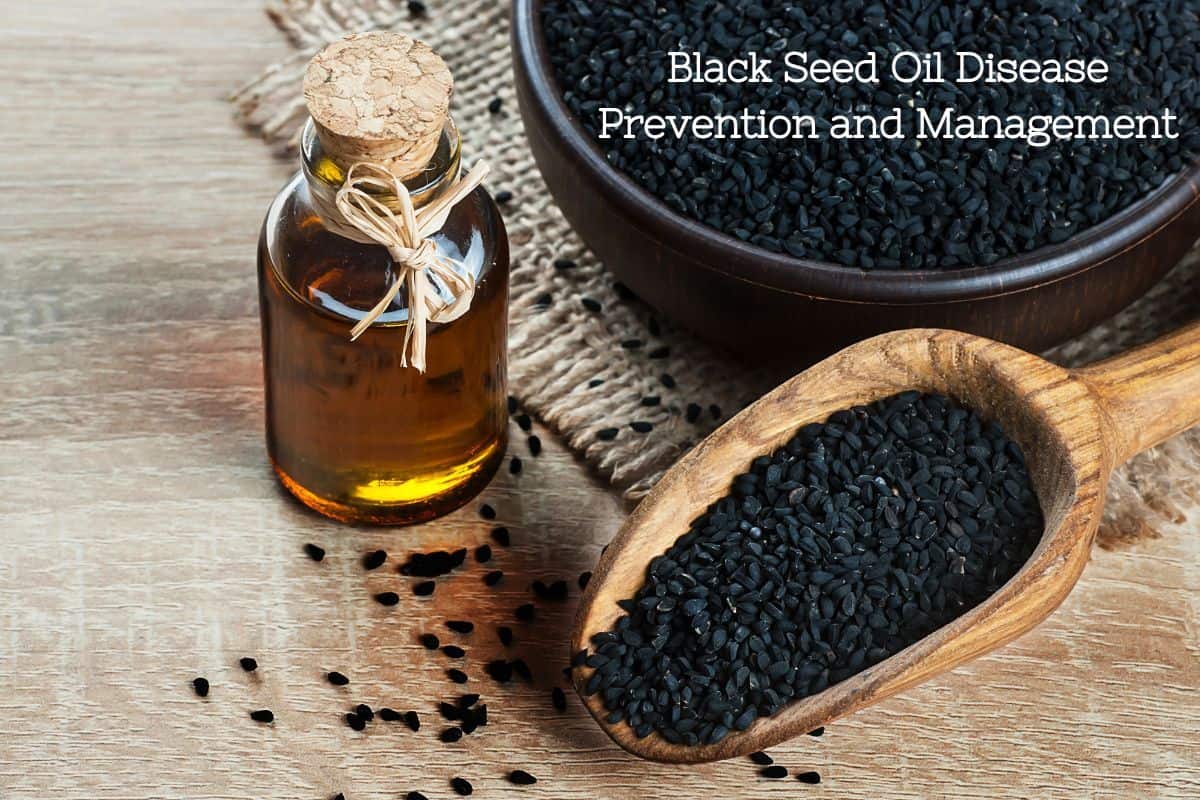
[585, 371]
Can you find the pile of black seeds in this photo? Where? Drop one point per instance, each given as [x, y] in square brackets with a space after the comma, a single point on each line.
[887, 204]
[859, 537]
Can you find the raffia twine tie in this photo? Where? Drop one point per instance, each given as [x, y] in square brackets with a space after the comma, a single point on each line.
[362, 215]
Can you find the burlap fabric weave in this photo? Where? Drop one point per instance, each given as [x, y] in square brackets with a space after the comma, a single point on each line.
[583, 371]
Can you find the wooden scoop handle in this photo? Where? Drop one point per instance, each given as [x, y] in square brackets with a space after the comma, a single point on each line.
[1150, 393]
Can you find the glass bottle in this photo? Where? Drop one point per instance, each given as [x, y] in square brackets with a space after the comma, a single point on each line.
[352, 432]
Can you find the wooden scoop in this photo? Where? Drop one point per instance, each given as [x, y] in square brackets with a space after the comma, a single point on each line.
[1074, 427]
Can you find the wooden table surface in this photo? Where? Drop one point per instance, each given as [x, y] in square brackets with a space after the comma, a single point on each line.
[146, 543]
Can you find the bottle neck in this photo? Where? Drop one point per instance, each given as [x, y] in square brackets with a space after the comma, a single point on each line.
[325, 171]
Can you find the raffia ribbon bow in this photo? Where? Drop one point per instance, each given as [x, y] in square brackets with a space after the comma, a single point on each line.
[422, 269]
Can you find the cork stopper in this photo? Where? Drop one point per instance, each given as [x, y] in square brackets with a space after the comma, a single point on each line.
[380, 97]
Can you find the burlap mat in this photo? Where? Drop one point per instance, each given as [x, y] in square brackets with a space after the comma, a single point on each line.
[583, 371]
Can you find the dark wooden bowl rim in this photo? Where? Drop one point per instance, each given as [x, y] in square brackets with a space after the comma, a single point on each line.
[730, 256]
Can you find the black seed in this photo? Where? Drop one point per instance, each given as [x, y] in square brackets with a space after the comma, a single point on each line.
[666, 380]
[483, 553]
[337, 678]
[512, 404]
[525, 423]
[504, 197]
[641, 427]
[374, 560]
[493, 577]
[514, 465]
[584, 579]
[535, 446]
[364, 711]
[521, 778]
[456, 675]
[387, 598]
[487, 512]
[500, 671]
[774, 772]
[355, 721]
[262, 715]
[417, 8]
[460, 626]
[461, 786]
[809, 777]
[501, 537]
[424, 588]
[451, 735]
[248, 664]
[430, 641]
[389, 715]
[412, 720]
[594, 382]
[453, 651]
[817, 731]
[525, 612]
[506, 635]
[200, 686]
[762, 759]
[314, 552]
[433, 565]
[415, 796]
[495, 105]
[558, 698]
[591, 305]
[607, 434]
[565, 264]
[693, 412]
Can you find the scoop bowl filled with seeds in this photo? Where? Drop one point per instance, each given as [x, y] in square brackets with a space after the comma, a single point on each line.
[834, 237]
[908, 504]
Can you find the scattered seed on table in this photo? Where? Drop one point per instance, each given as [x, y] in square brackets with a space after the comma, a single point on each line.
[556, 591]
[666, 380]
[594, 382]
[449, 711]
[584, 578]
[417, 8]
[506, 635]
[487, 512]
[456, 675]
[415, 796]
[817, 731]
[591, 305]
[460, 626]
[774, 772]
[493, 577]
[504, 197]
[659, 353]
[607, 434]
[495, 105]
[338, 796]
[374, 560]
[535, 445]
[451, 735]
[693, 412]
[514, 465]
[430, 641]
[433, 565]
[462, 786]
[364, 711]
[512, 404]
[651, 401]
[500, 670]
[714, 411]
[337, 678]
[525, 423]
[762, 759]
[632, 344]
[412, 720]
[389, 715]
[543, 301]
[520, 668]
[467, 700]
[809, 777]
[248, 664]
[501, 536]
[641, 427]
[387, 598]
[565, 264]
[424, 588]
[262, 715]
[453, 651]
[558, 698]
[314, 552]
[200, 686]
[355, 721]
[521, 778]
[525, 612]
[483, 553]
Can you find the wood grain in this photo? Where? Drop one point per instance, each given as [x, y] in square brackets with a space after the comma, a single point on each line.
[145, 542]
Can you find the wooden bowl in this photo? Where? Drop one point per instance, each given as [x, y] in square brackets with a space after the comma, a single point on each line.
[773, 306]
